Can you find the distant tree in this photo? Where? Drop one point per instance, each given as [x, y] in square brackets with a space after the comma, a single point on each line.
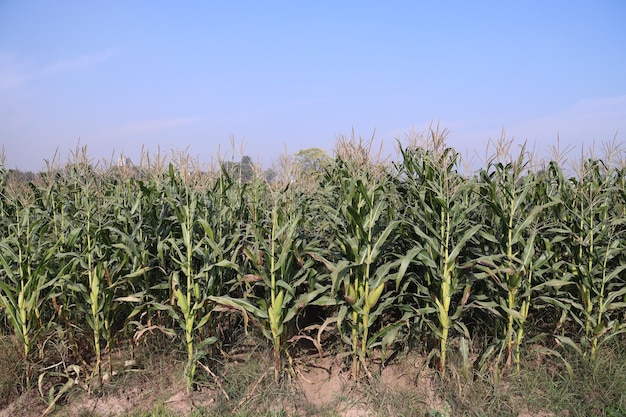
[311, 161]
[246, 169]
[243, 170]
[22, 176]
[270, 175]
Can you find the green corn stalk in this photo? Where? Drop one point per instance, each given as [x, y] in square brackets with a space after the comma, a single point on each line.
[280, 270]
[53, 199]
[364, 271]
[512, 215]
[590, 286]
[96, 263]
[275, 309]
[183, 248]
[84, 278]
[25, 279]
[173, 260]
[439, 207]
[194, 280]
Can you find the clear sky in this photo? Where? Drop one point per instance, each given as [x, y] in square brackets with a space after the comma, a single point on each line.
[119, 75]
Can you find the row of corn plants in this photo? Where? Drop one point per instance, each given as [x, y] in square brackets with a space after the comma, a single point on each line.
[379, 254]
[367, 273]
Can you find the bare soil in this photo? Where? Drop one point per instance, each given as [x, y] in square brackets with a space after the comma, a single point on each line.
[319, 386]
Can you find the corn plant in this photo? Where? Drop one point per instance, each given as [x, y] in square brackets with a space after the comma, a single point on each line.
[364, 271]
[25, 280]
[128, 265]
[512, 213]
[188, 253]
[438, 207]
[278, 281]
[57, 199]
[591, 284]
[84, 260]
[185, 294]
[94, 268]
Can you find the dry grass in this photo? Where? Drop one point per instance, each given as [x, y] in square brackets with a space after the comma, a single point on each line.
[12, 370]
[322, 387]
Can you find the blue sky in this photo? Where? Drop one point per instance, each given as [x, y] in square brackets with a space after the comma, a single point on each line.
[121, 75]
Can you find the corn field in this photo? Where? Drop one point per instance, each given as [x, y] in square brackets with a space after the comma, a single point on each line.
[365, 257]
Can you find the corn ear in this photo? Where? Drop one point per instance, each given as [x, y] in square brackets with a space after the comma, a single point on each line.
[374, 295]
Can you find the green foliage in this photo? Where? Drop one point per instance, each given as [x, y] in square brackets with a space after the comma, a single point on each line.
[439, 204]
[312, 161]
[366, 274]
[374, 254]
[26, 255]
[511, 208]
[275, 281]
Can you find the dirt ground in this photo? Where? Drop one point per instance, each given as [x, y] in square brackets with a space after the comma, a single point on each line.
[322, 382]
[317, 384]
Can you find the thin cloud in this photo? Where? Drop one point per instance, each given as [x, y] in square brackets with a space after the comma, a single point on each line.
[617, 103]
[581, 122]
[14, 74]
[77, 63]
[580, 125]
